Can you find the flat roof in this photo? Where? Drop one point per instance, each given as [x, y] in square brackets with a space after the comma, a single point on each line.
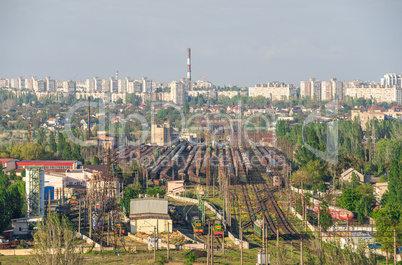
[48, 161]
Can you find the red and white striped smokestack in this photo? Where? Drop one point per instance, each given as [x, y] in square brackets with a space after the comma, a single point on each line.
[117, 75]
[189, 64]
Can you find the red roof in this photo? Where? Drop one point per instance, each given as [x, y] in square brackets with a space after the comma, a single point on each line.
[396, 108]
[142, 106]
[46, 163]
[376, 108]
[6, 160]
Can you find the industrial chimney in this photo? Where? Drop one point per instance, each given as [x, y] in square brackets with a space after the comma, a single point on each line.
[188, 64]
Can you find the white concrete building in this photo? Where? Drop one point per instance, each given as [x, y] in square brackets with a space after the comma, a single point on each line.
[391, 80]
[69, 87]
[178, 92]
[146, 85]
[273, 91]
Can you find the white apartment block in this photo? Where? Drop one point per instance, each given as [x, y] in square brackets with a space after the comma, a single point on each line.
[134, 87]
[50, 84]
[377, 92]
[122, 85]
[4, 82]
[105, 86]
[273, 91]
[391, 80]
[146, 85]
[178, 92]
[69, 87]
[113, 85]
[39, 85]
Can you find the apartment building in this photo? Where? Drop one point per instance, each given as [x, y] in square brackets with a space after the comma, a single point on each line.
[375, 113]
[178, 92]
[69, 86]
[273, 91]
[391, 80]
[377, 92]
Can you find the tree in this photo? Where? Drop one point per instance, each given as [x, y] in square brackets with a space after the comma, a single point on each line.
[325, 217]
[156, 190]
[186, 107]
[131, 192]
[348, 198]
[76, 155]
[67, 151]
[387, 221]
[60, 143]
[96, 161]
[55, 242]
[395, 182]
[52, 142]
[41, 139]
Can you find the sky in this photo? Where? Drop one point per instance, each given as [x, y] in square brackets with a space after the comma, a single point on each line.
[232, 41]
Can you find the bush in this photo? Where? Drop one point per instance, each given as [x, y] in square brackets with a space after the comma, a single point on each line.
[190, 256]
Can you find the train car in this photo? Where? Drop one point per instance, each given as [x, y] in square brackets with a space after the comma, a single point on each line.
[74, 199]
[177, 220]
[218, 228]
[120, 228]
[257, 227]
[197, 225]
[337, 213]
[172, 209]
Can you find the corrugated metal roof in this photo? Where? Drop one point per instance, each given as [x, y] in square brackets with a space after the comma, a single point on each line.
[148, 205]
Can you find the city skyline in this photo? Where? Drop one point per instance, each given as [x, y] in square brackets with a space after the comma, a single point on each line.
[232, 42]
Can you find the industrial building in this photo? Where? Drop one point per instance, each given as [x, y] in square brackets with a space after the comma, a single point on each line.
[149, 214]
[35, 190]
[161, 134]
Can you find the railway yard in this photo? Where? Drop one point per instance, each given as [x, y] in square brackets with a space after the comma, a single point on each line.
[246, 181]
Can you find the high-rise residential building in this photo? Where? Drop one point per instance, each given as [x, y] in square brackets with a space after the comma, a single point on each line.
[90, 86]
[273, 91]
[21, 82]
[14, 83]
[29, 83]
[69, 86]
[326, 90]
[178, 92]
[146, 85]
[4, 82]
[377, 92]
[122, 85]
[134, 87]
[50, 84]
[39, 85]
[391, 80]
[337, 89]
[311, 88]
[105, 86]
[113, 85]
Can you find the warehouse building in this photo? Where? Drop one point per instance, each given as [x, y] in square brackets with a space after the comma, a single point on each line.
[149, 214]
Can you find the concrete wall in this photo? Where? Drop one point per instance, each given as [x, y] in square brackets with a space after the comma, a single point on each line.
[147, 225]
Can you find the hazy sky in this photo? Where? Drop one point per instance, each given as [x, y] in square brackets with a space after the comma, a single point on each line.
[232, 41]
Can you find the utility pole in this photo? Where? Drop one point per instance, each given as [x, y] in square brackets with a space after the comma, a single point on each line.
[277, 243]
[168, 242]
[90, 219]
[48, 203]
[79, 216]
[394, 243]
[208, 242]
[155, 243]
[212, 244]
[241, 239]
